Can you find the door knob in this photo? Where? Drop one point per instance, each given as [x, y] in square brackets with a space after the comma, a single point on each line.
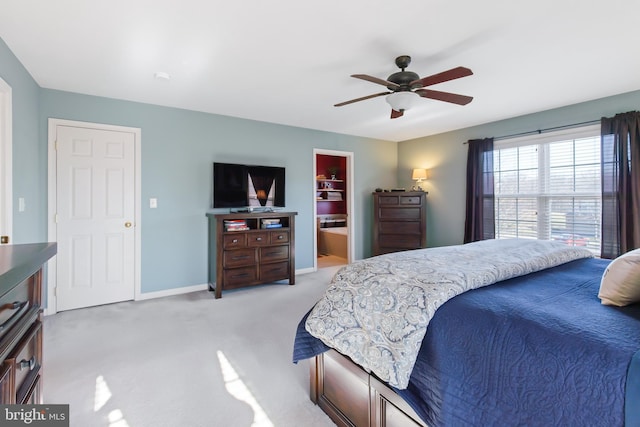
[127, 224]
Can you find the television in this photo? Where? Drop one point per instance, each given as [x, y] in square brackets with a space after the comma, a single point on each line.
[247, 186]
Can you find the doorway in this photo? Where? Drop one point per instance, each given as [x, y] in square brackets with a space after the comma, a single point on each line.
[333, 208]
[94, 188]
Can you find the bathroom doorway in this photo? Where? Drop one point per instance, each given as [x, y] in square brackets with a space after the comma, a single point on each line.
[333, 207]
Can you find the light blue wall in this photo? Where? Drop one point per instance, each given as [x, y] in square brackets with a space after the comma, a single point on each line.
[178, 151]
[29, 160]
[445, 156]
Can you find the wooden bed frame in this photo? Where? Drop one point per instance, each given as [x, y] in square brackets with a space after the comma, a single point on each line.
[352, 397]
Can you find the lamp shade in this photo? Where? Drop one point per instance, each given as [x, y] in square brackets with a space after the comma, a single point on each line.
[401, 100]
[419, 174]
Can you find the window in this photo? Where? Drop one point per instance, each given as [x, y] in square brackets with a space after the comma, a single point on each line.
[547, 186]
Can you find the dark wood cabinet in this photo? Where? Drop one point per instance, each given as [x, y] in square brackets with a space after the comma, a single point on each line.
[21, 271]
[400, 221]
[250, 249]
[352, 397]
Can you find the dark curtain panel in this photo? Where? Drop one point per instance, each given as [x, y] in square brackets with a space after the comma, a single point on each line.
[620, 151]
[480, 218]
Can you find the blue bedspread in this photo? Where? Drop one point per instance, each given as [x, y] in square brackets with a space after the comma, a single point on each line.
[534, 350]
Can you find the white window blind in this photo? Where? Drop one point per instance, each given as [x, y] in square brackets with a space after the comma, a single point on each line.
[547, 186]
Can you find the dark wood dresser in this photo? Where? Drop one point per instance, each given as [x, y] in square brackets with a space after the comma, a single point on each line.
[21, 269]
[399, 221]
[251, 249]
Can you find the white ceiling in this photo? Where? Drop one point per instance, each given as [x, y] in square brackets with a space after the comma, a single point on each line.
[289, 61]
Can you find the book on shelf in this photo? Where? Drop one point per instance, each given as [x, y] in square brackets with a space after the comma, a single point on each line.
[237, 228]
[271, 225]
[235, 225]
[271, 221]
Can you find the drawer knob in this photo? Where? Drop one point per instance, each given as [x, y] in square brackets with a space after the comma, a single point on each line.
[31, 363]
[280, 237]
[234, 241]
[258, 238]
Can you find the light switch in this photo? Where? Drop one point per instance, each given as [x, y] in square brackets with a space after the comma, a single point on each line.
[153, 203]
[21, 205]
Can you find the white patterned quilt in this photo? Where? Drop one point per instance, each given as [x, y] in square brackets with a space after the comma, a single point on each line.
[376, 310]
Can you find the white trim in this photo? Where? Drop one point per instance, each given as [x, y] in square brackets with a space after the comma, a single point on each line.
[172, 292]
[351, 232]
[305, 270]
[6, 159]
[52, 207]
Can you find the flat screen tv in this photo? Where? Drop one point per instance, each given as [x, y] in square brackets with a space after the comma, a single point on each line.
[246, 186]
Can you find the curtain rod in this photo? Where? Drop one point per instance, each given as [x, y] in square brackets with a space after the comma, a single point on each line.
[539, 131]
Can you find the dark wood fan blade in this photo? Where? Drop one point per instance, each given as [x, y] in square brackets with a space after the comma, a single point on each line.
[445, 76]
[372, 79]
[453, 98]
[395, 114]
[361, 99]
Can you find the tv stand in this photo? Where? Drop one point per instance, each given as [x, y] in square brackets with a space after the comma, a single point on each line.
[250, 248]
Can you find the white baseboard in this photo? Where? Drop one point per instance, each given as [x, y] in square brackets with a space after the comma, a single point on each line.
[305, 270]
[172, 292]
[195, 288]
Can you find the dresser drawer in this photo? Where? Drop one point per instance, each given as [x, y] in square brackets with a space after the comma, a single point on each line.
[239, 257]
[390, 200]
[275, 271]
[407, 213]
[274, 253]
[230, 241]
[410, 200]
[240, 276]
[279, 237]
[408, 241]
[400, 227]
[26, 360]
[258, 238]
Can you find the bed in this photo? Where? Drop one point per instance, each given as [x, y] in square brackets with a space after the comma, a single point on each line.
[523, 340]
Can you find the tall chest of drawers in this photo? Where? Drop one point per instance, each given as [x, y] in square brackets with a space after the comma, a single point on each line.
[250, 249]
[21, 271]
[399, 221]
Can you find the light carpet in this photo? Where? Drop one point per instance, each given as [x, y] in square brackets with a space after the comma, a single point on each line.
[185, 361]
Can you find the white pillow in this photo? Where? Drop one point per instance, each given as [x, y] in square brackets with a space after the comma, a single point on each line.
[620, 283]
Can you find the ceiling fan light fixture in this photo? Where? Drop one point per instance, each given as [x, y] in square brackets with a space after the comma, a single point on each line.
[401, 101]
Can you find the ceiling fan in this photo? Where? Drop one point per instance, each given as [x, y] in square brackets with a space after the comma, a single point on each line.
[405, 85]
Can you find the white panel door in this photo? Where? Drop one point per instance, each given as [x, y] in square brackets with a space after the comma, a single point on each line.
[95, 216]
